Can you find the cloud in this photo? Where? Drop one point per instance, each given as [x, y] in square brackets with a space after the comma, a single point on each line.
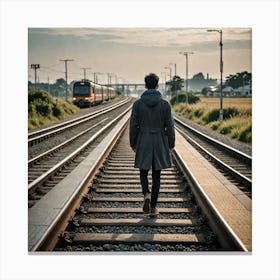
[132, 52]
[184, 38]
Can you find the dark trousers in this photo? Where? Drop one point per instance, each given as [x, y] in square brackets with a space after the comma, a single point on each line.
[155, 184]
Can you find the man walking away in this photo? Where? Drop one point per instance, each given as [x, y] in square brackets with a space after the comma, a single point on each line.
[152, 138]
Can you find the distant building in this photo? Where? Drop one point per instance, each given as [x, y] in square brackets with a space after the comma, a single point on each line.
[209, 91]
[228, 91]
[246, 90]
[198, 82]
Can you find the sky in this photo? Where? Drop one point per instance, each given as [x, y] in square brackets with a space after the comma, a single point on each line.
[131, 53]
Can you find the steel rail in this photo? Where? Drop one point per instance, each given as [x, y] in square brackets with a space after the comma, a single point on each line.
[47, 132]
[243, 156]
[227, 237]
[245, 180]
[49, 238]
[56, 148]
[33, 185]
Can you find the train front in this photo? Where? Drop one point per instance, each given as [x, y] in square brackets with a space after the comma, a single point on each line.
[82, 94]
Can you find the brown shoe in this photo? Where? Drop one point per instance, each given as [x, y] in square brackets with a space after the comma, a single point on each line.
[154, 212]
[146, 206]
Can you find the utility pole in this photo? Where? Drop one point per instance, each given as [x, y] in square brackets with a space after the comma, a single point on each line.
[95, 76]
[170, 74]
[120, 85]
[175, 67]
[85, 72]
[187, 73]
[65, 61]
[221, 69]
[164, 82]
[49, 89]
[109, 80]
[110, 75]
[175, 84]
[35, 67]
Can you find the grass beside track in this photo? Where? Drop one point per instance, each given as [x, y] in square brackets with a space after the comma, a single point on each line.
[237, 122]
[45, 110]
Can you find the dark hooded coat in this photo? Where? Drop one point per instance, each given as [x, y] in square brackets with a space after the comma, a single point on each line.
[152, 131]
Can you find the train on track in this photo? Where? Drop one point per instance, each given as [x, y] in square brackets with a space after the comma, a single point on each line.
[86, 93]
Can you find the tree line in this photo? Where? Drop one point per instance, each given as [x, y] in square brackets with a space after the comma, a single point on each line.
[234, 80]
[56, 89]
[239, 79]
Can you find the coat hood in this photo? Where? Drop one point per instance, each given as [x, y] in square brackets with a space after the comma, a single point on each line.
[151, 97]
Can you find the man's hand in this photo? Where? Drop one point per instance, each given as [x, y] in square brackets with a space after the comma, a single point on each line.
[171, 150]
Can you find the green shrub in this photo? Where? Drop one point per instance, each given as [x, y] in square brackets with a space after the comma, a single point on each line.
[181, 98]
[214, 114]
[230, 112]
[211, 116]
[235, 133]
[186, 111]
[226, 129]
[34, 122]
[215, 125]
[31, 109]
[198, 113]
[37, 94]
[57, 112]
[44, 110]
[246, 134]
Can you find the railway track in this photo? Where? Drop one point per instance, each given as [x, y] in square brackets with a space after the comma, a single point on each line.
[47, 169]
[233, 163]
[110, 216]
[98, 207]
[42, 134]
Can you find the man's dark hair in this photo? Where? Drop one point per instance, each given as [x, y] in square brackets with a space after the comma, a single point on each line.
[151, 81]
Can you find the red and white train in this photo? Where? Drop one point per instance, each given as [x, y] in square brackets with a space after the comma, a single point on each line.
[87, 93]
